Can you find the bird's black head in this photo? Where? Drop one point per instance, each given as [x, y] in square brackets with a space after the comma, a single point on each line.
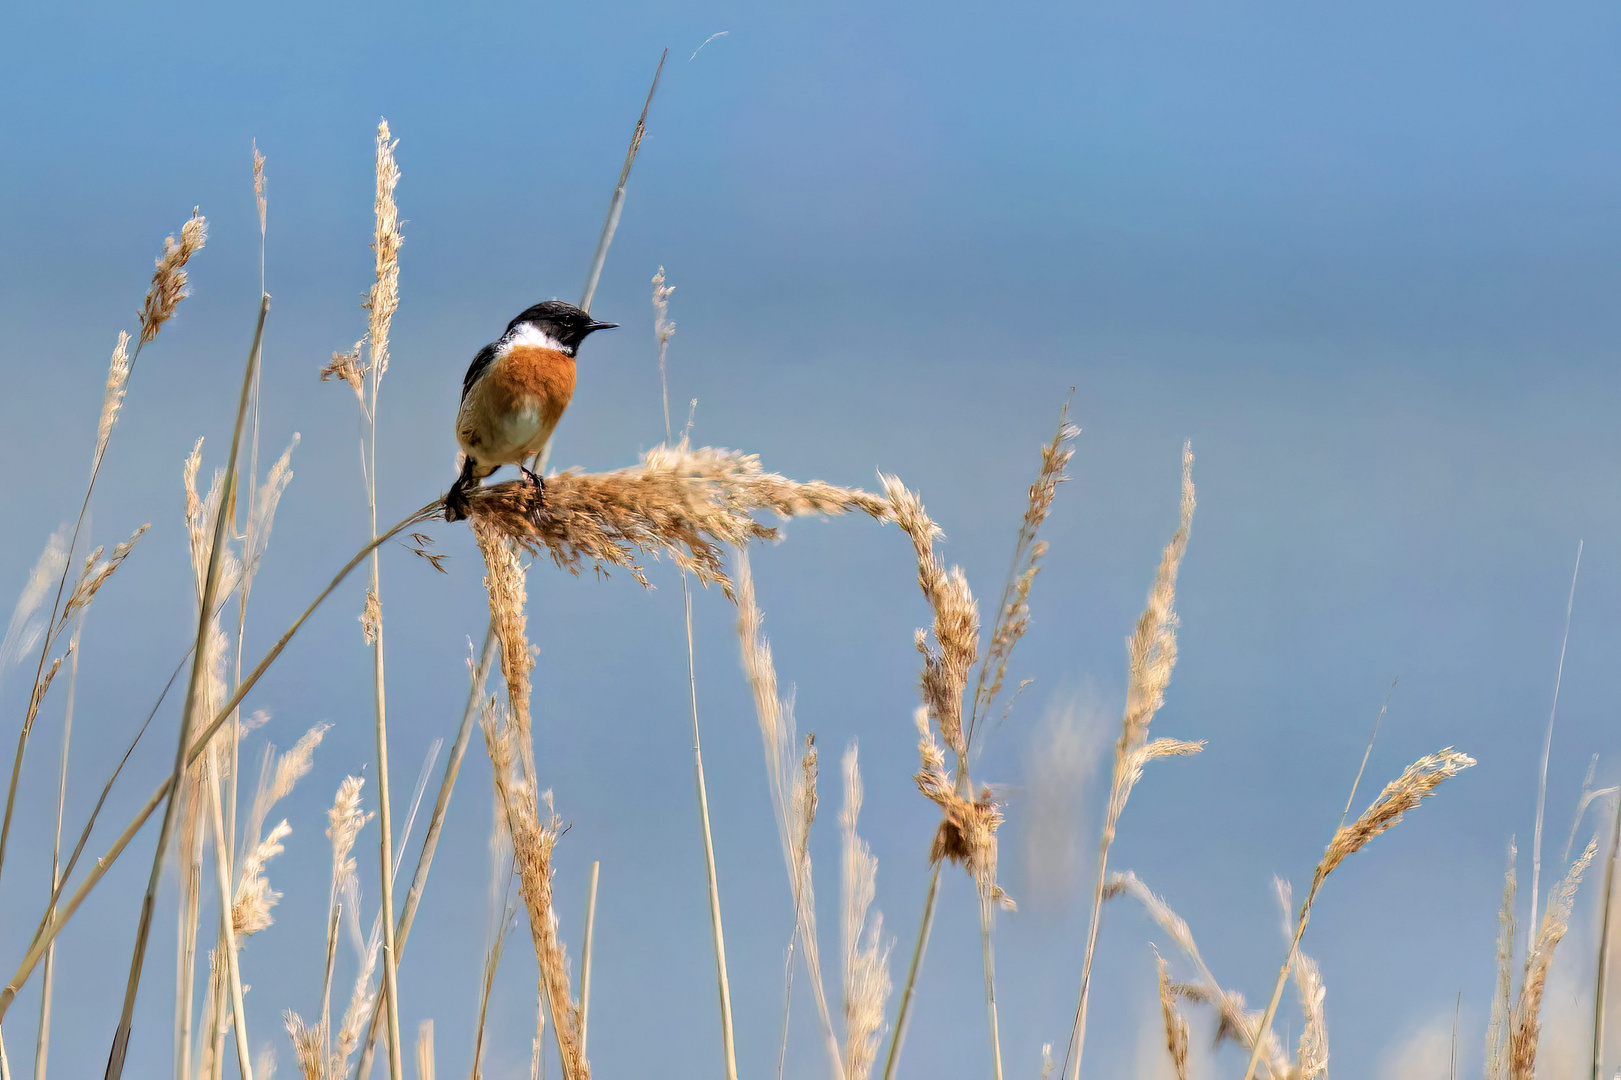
[564, 323]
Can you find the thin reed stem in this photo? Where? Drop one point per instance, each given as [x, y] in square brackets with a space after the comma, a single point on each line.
[52, 927]
[904, 1014]
[616, 205]
[1602, 979]
[723, 985]
[986, 916]
[42, 1043]
[419, 879]
[585, 953]
[244, 1057]
[1547, 747]
[115, 1064]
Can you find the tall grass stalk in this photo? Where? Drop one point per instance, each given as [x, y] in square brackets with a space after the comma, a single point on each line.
[163, 296]
[967, 833]
[115, 1064]
[381, 303]
[42, 1043]
[1547, 747]
[616, 204]
[1602, 978]
[663, 328]
[222, 874]
[904, 1014]
[585, 953]
[1153, 657]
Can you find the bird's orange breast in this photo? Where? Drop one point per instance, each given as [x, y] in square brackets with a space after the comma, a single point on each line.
[531, 373]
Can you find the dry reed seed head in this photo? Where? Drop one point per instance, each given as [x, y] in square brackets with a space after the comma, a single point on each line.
[1013, 615]
[1527, 1016]
[371, 617]
[250, 908]
[95, 573]
[685, 503]
[425, 1065]
[967, 833]
[259, 186]
[956, 619]
[663, 328]
[1502, 999]
[266, 498]
[168, 286]
[1416, 783]
[1176, 1025]
[345, 820]
[1152, 646]
[307, 1046]
[532, 841]
[1128, 769]
[25, 628]
[112, 398]
[866, 955]
[41, 688]
[348, 367]
[384, 297]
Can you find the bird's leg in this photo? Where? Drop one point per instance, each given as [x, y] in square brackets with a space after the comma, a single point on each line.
[456, 503]
[538, 484]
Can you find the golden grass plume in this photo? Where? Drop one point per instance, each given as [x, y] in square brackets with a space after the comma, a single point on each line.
[683, 502]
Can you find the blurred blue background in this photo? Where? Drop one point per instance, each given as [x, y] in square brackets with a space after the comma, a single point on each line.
[1365, 259]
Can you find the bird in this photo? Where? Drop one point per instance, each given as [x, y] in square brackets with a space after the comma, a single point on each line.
[514, 393]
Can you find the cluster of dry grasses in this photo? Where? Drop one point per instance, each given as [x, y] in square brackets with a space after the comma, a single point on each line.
[699, 508]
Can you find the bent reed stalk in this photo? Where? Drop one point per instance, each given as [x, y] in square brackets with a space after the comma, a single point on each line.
[50, 930]
[115, 1066]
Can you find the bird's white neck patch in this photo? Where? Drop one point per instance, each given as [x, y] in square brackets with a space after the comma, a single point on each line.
[530, 334]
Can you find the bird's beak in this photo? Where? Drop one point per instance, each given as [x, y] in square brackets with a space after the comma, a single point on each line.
[593, 327]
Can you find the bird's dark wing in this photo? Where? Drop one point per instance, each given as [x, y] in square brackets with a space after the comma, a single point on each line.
[481, 363]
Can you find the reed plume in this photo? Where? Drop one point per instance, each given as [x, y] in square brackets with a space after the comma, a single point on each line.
[1416, 783]
[1152, 649]
[1525, 1022]
[967, 833]
[169, 280]
[1176, 1025]
[1502, 998]
[866, 954]
[533, 836]
[682, 502]
[792, 782]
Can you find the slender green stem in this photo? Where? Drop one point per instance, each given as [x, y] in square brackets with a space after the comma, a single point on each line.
[904, 1014]
[115, 1060]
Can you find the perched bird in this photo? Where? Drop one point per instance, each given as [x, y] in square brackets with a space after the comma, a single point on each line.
[514, 393]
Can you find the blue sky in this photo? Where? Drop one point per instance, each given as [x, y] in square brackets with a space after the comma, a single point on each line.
[1365, 260]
